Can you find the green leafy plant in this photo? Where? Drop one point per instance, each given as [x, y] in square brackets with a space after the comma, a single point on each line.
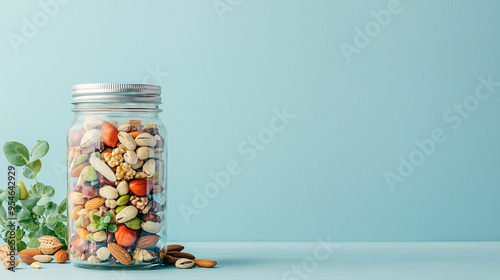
[103, 223]
[36, 214]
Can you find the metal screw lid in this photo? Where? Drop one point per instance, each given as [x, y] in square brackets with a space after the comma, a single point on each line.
[116, 93]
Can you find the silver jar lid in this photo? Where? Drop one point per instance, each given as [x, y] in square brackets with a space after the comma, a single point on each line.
[116, 93]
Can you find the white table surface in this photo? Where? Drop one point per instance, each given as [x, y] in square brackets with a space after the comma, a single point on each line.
[257, 260]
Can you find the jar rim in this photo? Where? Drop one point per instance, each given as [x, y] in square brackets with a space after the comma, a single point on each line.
[116, 93]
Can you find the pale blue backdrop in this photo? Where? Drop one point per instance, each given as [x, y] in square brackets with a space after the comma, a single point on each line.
[365, 81]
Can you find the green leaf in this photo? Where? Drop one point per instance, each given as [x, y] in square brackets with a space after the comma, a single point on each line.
[63, 206]
[38, 189]
[3, 214]
[44, 230]
[51, 209]
[112, 228]
[24, 214]
[43, 201]
[19, 234]
[51, 222]
[16, 153]
[97, 219]
[21, 246]
[99, 227]
[107, 219]
[48, 191]
[62, 218]
[39, 210]
[32, 169]
[33, 243]
[39, 150]
[61, 230]
[3, 197]
[30, 202]
[32, 235]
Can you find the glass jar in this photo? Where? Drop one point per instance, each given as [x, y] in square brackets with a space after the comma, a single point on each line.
[116, 177]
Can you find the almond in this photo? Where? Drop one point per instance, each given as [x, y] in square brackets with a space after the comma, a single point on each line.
[43, 258]
[175, 247]
[181, 255]
[141, 187]
[78, 170]
[169, 259]
[31, 252]
[205, 263]
[74, 213]
[109, 135]
[134, 134]
[26, 258]
[61, 256]
[148, 241]
[94, 203]
[49, 245]
[119, 253]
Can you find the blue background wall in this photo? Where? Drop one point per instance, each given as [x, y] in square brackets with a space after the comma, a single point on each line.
[222, 77]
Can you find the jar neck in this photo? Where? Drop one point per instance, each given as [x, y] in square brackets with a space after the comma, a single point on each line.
[117, 108]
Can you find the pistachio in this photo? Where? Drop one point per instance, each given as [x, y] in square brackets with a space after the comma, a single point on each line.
[88, 173]
[149, 168]
[77, 198]
[92, 122]
[122, 200]
[119, 209]
[130, 157]
[102, 168]
[127, 214]
[99, 236]
[145, 152]
[127, 140]
[90, 138]
[89, 237]
[138, 165]
[103, 253]
[81, 159]
[134, 224]
[110, 203]
[122, 188]
[145, 140]
[140, 175]
[184, 263]
[151, 227]
[108, 192]
[125, 127]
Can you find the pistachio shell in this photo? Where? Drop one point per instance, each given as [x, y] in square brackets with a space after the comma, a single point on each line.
[90, 138]
[127, 214]
[127, 140]
[145, 140]
[130, 157]
[149, 168]
[92, 122]
[145, 152]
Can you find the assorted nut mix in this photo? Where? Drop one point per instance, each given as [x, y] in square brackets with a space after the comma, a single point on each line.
[118, 169]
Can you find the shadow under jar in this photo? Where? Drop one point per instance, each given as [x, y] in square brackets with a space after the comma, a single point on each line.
[116, 177]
